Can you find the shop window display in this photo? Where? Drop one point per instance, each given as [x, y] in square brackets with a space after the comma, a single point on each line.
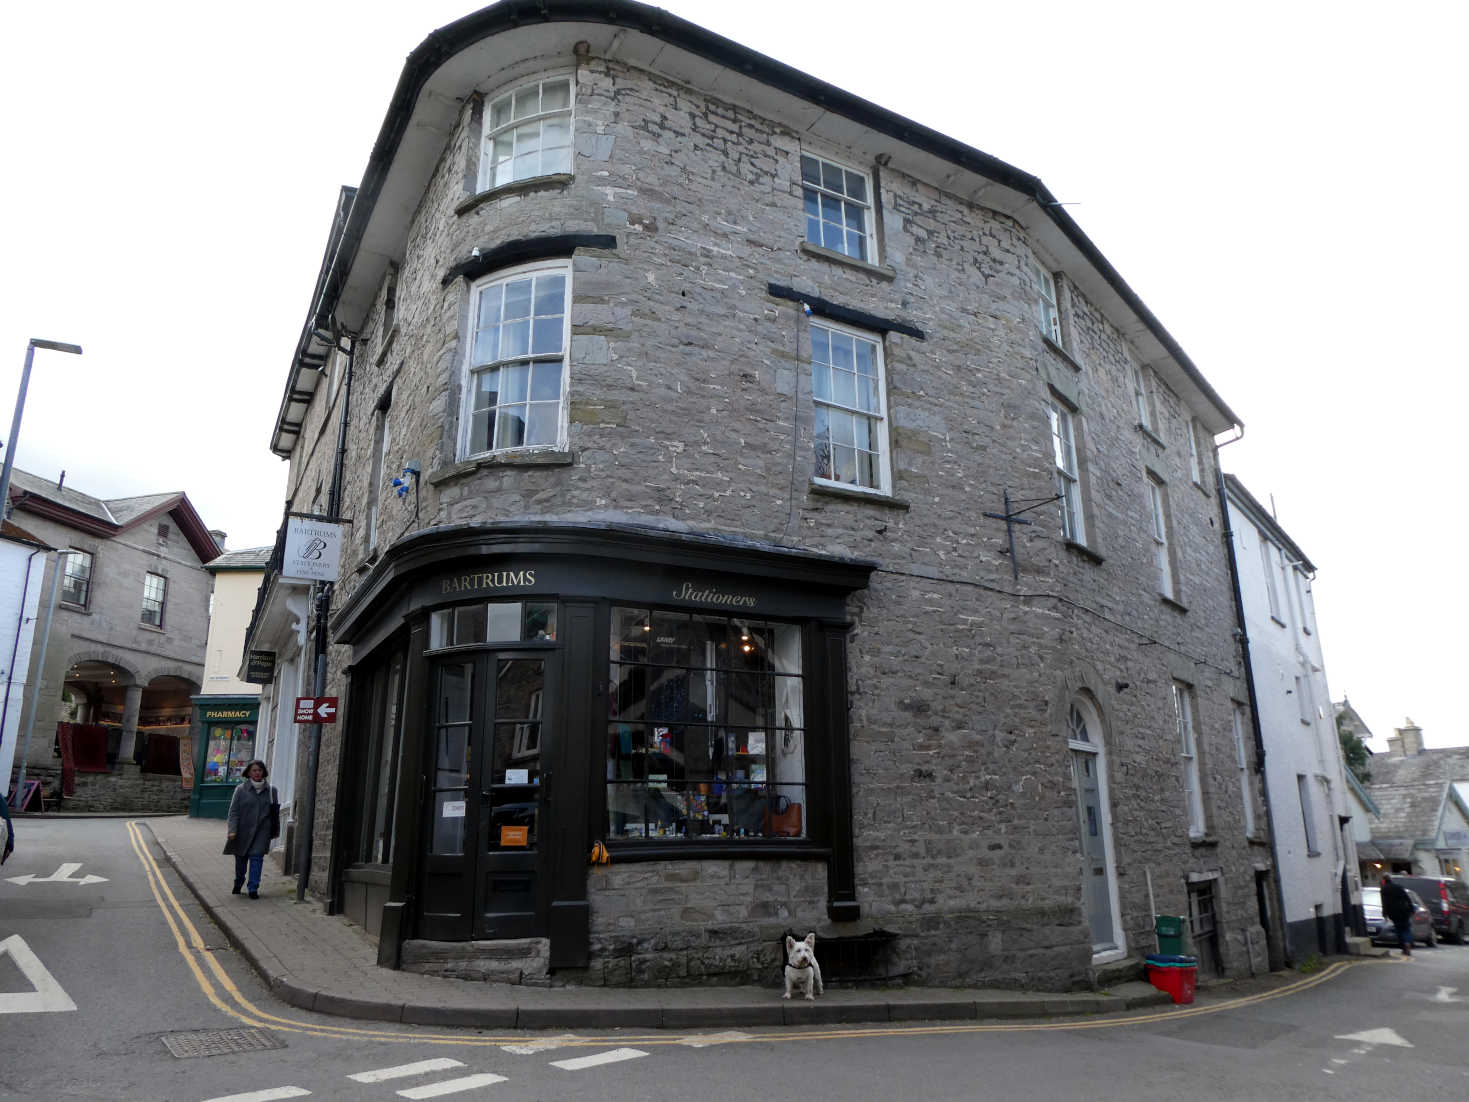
[706, 737]
[229, 750]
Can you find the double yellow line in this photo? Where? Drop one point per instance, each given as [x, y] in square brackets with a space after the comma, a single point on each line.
[220, 990]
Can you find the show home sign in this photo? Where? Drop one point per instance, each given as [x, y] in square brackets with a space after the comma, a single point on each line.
[313, 551]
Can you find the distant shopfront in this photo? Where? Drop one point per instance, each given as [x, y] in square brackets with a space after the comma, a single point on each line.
[520, 692]
[226, 744]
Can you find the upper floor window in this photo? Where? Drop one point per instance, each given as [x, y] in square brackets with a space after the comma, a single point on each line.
[527, 133]
[1142, 397]
[838, 207]
[1267, 567]
[1242, 758]
[1183, 715]
[1195, 459]
[76, 578]
[155, 587]
[849, 429]
[1162, 553]
[1047, 315]
[1068, 479]
[515, 373]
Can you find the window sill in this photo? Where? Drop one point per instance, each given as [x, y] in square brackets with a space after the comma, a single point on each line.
[545, 458]
[1081, 550]
[1151, 435]
[387, 346]
[1278, 621]
[873, 497]
[1174, 605]
[1203, 841]
[820, 252]
[1059, 351]
[627, 852]
[1201, 488]
[555, 182]
[151, 627]
[1313, 853]
[1257, 839]
[82, 610]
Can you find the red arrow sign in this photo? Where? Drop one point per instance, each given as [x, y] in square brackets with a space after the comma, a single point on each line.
[316, 709]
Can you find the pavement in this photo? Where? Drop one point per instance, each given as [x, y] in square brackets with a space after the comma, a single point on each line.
[325, 964]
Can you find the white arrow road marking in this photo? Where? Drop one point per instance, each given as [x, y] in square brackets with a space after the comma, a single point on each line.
[47, 995]
[1375, 1037]
[452, 1086]
[263, 1096]
[1446, 995]
[443, 1063]
[62, 875]
[612, 1056]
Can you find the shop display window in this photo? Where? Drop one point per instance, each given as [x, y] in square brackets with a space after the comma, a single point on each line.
[706, 735]
[227, 752]
[492, 622]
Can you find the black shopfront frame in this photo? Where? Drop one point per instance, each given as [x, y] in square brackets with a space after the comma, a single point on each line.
[587, 570]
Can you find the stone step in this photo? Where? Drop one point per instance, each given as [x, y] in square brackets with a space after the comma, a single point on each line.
[524, 961]
[1363, 947]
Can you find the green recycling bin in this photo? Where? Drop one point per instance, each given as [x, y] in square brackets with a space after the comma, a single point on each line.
[1169, 929]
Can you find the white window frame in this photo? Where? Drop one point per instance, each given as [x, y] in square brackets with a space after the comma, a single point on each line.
[513, 126]
[1303, 789]
[1267, 566]
[1246, 788]
[473, 366]
[824, 189]
[68, 575]
[823, 408]
[1142, 397]
[1195, 461]
[1068, 470]
[1285, 598]
[1162, 553]
[149, 601]
[1303, 592]
[379, 467]
[1047, 306]
[1305, 706]
[1188, 753]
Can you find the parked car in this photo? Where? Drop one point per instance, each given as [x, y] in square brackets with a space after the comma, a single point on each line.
[1448, 903]
[1381, 930]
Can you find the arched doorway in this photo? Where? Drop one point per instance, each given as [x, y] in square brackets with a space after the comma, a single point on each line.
[1094, 828]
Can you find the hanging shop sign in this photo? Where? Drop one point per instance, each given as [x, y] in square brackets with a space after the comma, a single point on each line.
[260, 667]
[313, 551]
[316, 709]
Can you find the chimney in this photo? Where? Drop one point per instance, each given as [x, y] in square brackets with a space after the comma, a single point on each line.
[218, 537]
[1410, 737]
[1395, 745]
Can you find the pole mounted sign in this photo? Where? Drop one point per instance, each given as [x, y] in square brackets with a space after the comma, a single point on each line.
[316, 709]
[313, 550]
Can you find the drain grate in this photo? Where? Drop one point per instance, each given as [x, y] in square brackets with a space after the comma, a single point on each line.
[218, 1042]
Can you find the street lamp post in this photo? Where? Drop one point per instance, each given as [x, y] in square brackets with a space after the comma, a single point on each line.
[20, 405]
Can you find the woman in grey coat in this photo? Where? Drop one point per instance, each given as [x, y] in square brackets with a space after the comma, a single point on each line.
[249, 826]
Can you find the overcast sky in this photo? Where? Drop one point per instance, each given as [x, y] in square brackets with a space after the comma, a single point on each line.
[1283, 184]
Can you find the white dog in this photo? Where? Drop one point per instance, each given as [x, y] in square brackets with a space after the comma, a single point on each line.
[801, 968]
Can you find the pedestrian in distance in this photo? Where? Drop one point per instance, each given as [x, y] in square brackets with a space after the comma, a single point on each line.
[7, 831]
[1399, 910]
[254, 819]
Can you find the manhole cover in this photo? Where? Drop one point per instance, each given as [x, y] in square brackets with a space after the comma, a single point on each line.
[218, 1042]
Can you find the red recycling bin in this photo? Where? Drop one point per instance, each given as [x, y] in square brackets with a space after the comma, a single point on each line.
[1175, 975]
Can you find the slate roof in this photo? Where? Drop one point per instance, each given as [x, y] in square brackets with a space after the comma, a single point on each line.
[247, 558]
[1448, 764]
[1407, 810]
[72, 499]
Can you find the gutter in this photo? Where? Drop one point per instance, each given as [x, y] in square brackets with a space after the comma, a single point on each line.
[443, 44]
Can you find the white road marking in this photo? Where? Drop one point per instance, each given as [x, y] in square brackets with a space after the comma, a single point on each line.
[1375, 1037]
[530, 1048]
[62, 875]
[443, 1063]
[263, 1096]
[1446, 995]
[612, 1056]
[704, 1040]
[47, 995]
[452, 1086]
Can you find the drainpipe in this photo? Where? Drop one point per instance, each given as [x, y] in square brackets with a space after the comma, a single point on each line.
[1244, 650]
[323, 600]
[20, 619]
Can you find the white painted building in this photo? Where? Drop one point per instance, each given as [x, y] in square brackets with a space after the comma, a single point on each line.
[1305, 778]
[22, 563]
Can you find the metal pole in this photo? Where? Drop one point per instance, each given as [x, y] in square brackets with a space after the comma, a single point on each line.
[313, 756]
[20, 405]
[25, 742]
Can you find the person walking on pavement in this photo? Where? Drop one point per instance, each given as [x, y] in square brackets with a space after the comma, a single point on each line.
[7, 831]
[1399, 910]
[251, 826]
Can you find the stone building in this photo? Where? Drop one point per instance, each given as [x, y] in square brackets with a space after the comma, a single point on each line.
[1311, 812]
[1424, 796]
[126, 645]
[677, 402]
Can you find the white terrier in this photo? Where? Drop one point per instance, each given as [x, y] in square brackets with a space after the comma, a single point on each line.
[801, 968]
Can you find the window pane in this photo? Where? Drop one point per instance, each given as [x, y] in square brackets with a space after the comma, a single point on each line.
[856, 245]
[545, 382]
[542, 421]
[524, 167]
[631, 632]
[844, 464]
[540, 622]
[479, 431]
[469, 624]
[831, 176]
[550, 298]
[528, 139]
[671, 638]
[514, 340]
[510, 428]
[812, 202]
[820, 344]
[451, 759]
[555, 134]
[821, 382]
[514, 381]
[668, 696]
[502, 622]
[546, 337]
[831, 210]
[856, 187]
[555, 95]
[448, 822]
[518, 298]
[629, 692]
[527, 101]
[556, 160]
[454, 684]
[855, 217]
[841, 351]
[810, 170]
[844, 388]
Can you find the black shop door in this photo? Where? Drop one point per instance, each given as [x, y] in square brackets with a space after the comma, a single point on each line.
[484, 866]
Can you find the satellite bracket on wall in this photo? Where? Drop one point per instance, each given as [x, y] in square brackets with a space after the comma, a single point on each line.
[1012, 516]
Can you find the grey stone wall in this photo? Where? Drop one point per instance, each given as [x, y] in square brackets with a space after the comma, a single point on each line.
[688, 381]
